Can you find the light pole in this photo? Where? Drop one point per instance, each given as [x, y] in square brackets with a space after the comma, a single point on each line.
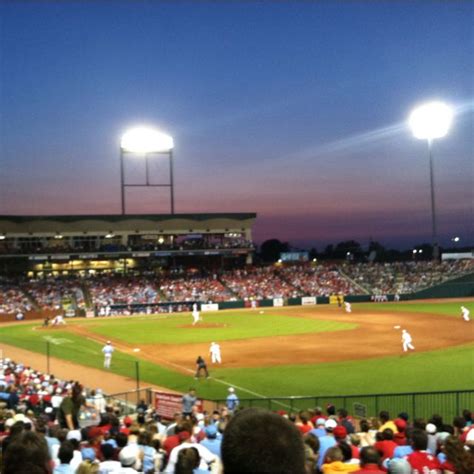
[146, 141]
[428, 122]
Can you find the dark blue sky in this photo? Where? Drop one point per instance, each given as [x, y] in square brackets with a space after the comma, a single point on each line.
[295, 110]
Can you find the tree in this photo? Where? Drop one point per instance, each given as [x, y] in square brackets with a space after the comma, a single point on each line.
[270, 250]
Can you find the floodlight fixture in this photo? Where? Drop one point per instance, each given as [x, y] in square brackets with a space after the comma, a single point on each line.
[146, 140]
[2, 237]
[431, 120]
[428, 122]
[456, 239]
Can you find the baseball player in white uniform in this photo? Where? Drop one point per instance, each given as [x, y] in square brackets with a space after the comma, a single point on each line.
[107, 350]
[407, 341]
[196, 316]
[465, 313]
[348, 307]
[57, 320]
[215, 351]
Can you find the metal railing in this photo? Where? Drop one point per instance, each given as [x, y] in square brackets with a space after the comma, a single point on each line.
[448, 404]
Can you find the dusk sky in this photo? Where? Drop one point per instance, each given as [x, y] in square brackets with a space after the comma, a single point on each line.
[294, 110]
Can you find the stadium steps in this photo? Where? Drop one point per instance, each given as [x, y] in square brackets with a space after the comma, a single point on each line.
[289, 282]
[30, 298]
[87, 295]
[365, 291]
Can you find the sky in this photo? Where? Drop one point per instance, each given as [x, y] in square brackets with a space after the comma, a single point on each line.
[295, 110]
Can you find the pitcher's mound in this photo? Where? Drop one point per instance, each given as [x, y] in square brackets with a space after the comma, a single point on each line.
[204, 325]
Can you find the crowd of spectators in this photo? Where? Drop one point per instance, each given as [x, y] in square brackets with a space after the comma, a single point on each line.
[256, 283]
[322, 280]
[404, 277]
[12, 299]
[194, 288]
[111, 289]
[52, 426]
[249, 284]
[53, 292]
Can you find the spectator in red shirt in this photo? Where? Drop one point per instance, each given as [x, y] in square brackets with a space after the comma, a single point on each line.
[421, 460]
[387, 446]
[400, 438]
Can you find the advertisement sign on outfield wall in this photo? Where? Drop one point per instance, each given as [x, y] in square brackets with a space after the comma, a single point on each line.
[167, 404]
[308, 300]
[278, 302]
[210, 307]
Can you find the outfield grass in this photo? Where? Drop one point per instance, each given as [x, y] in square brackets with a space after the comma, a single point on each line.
[230, 325]
[448, 369]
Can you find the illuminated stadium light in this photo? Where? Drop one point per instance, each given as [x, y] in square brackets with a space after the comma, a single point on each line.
[2, 237]
[456, 239]
[110, 235]
[431, 120]
[428, 122]
[146, 140]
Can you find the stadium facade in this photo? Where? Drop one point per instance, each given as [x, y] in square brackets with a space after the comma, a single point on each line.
[42, 245]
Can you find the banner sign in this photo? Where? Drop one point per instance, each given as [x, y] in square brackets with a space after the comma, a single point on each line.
[308, 300]
[167, 404]
[278, 302]
[210, 307]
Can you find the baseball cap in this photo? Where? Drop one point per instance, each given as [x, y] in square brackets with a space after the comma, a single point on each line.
[128, 456]
[94, 432]
[340, 432]
[74, 434]
[88, 454]
[211, 431]
[400, 423]
[320, 422]
[330, 424]
[430, 428]
[231, 390]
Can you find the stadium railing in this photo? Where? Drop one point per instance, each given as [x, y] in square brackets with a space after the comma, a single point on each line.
[418, 404]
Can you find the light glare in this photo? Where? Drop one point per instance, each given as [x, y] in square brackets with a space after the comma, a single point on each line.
[431, 120]
[146, 140]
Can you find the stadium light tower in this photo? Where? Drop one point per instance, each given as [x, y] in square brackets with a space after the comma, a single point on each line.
[146, 141]
[429, 122]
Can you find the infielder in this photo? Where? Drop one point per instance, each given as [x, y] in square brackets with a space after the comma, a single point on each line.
[57, 320]
[348, 307]
[215, 351]
[196, 316]
[465, 313]
[407, 341]
[107, 350]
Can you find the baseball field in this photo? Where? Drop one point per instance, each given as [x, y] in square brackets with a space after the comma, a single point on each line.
[312, 350]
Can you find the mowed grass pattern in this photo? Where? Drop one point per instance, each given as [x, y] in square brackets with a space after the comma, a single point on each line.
[448, 369]
[228, 326]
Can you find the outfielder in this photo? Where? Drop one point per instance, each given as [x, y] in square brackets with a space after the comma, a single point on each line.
[107, 350]
[465, 313]
[215, 351]
[196, 316]
[348, 307]
[407, 341]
